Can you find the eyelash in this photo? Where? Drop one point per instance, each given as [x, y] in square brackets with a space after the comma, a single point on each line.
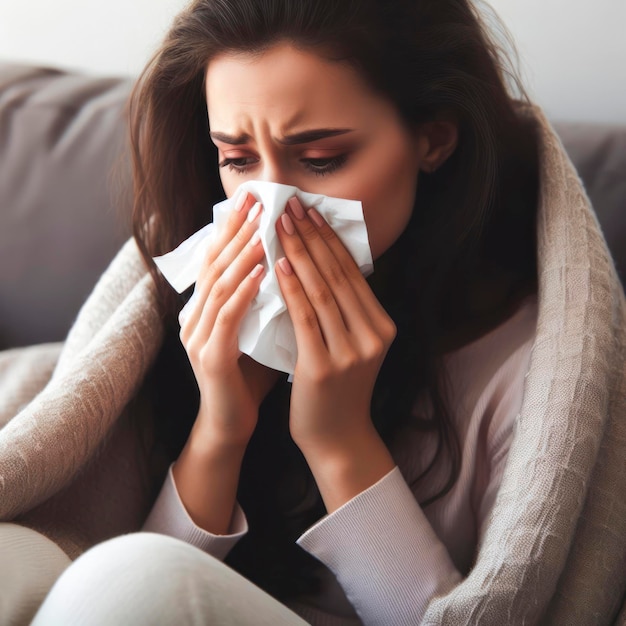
[329, 166]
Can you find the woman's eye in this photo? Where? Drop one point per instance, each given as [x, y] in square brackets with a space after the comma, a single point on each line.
[324, 166]
[239, 165]
[319, 166]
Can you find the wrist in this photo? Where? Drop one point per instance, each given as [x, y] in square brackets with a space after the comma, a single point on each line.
[204, 441]
[221, 427]
[206, 475]
[342, 470]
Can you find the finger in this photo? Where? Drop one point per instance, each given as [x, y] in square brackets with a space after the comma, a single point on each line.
[374, 310]
[314, 287]
[356, 318]
[223, 347]
[211, 272]
[236, 218]
[230, 242]
[226, 285]
[200, 319]
[228, 320]
[308, 333]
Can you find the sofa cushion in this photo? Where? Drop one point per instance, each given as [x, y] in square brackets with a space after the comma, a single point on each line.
[60, 136]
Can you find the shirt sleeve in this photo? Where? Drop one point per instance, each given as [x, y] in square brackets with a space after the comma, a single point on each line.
[381, 547]
[169, 517]
[384, 553]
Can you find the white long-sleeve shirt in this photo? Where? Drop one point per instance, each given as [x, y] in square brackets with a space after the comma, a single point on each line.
[386, 557]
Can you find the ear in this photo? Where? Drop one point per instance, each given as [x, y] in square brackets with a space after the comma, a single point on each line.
[437, 140]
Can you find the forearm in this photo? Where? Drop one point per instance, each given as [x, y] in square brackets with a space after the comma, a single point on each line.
[342, 470]
[206, 475]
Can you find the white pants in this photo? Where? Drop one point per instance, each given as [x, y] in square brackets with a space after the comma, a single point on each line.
[149, 579]
[29, 565]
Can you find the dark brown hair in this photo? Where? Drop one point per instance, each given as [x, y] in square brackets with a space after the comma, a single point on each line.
[473, 219]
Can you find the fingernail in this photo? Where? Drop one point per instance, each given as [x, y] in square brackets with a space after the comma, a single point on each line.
[316, 218]
[257, 271]
[285, 266]
[255, 239]
[287, 224]
[296, 207]
[254, 212]
[241, 200]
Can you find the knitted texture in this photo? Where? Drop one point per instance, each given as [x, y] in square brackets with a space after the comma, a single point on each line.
[114, 340]
[555, 548]
[550, 551]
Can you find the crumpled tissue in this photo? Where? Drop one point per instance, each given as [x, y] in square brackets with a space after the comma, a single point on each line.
[266, 332]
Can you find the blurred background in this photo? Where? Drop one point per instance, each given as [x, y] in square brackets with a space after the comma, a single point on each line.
[572, 52]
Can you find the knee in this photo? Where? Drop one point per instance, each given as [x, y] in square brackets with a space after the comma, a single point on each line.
[143, 554]
[31, 563]
[137, 576]
[134, 559]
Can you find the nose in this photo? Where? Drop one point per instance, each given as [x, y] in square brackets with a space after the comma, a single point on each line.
[275, 172]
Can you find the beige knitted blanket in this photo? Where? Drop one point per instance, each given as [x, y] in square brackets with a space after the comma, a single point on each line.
[555, 549]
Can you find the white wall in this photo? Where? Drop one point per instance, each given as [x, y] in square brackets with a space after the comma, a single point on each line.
[99, 36]
[573, 52]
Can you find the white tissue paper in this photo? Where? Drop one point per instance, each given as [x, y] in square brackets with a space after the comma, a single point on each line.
[266, 332]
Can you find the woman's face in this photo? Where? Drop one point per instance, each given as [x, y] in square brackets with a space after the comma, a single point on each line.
[293, 117]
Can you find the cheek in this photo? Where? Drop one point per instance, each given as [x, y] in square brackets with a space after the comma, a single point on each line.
[230, 182]
[389, 204]
[385, 225]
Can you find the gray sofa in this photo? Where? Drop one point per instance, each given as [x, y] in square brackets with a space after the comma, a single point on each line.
[63, 216]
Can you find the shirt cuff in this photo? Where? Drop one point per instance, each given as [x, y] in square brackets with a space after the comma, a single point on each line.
[170, 517]
[384, 553]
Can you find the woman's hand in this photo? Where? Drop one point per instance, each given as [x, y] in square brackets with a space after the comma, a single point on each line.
[343, 334]
[232, 385]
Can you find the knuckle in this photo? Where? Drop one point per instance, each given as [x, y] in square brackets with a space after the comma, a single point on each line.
[204, 356]
[225, 317]
[327, 234]
[389, 331]
[218, 291]
[193, 351]
[335, 275]
[212, 271]
[298, 252]
[308, 233]
[241, 236]
[374, 349]
[306, 317]
[321, 373]
[352, 271]
[184, 334]
[321, 296]
[349, 361]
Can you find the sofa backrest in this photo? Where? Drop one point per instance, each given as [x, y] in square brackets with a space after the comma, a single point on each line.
[599, 154]
[61, 135]
[62, 220]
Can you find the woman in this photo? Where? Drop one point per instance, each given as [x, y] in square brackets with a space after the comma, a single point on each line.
[363, 491]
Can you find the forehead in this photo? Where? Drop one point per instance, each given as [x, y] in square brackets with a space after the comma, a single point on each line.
[285, 84]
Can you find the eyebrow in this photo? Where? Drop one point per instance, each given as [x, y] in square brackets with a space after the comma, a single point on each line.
[306, 136]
